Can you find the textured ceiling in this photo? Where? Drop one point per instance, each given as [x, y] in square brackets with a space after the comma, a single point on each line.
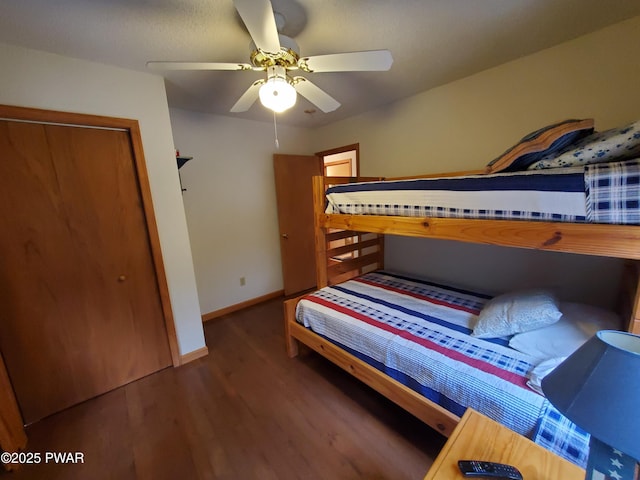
[432, 41]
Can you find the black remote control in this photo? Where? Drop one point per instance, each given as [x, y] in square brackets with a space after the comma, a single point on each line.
[482, 469]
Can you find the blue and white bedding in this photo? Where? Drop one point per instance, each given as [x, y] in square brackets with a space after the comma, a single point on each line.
[613, 192]
[601, 193]
[418, 333]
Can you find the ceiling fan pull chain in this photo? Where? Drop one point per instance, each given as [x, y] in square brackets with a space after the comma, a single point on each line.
[275, 128]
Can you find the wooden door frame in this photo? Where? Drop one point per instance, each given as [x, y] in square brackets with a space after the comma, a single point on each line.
[9, 112]
[347, 148]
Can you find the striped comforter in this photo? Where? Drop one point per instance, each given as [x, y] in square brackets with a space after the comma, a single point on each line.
[418, 333]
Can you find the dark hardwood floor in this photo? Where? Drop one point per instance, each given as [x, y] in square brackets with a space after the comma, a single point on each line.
[246, 411]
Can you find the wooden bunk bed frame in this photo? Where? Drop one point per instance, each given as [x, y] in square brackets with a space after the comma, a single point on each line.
[338, 260]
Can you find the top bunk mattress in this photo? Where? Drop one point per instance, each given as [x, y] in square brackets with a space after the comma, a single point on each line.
[600, 193]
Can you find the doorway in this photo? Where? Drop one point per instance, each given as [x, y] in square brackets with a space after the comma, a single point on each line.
[294, 198]
[341, 161]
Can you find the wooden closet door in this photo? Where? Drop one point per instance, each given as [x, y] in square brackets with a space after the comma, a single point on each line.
[80, 310]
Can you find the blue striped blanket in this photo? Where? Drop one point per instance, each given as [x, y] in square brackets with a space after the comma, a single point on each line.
[418, 333]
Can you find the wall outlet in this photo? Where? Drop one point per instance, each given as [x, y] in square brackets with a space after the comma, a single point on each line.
[243, 281]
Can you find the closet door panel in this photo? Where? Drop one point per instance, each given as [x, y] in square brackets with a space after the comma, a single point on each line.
[82, 312]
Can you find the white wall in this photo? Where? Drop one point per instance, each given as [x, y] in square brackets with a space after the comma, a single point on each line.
[31, 78]
[465, 124]
[230, 203]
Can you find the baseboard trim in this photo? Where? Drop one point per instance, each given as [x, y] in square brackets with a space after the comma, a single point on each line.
[242, 305]
[191, 356]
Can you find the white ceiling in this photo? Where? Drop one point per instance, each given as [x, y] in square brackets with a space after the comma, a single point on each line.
[433, 42]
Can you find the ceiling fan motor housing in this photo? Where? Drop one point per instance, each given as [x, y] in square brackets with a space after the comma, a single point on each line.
[287, 57]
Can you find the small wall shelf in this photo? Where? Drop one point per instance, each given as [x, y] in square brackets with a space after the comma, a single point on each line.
[181, 160]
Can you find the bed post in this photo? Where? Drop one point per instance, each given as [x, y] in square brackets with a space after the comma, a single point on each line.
[629, 299]
[634, 314]
[320, 234]
[289, 318]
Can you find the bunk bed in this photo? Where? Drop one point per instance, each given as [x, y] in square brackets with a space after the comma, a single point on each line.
[350, 248]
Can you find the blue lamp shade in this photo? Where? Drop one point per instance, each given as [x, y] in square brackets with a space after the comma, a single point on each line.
[598, 388]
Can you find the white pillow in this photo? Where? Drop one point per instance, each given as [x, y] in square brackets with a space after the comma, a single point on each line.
[578, 324]
[542, 370]
[516, 312]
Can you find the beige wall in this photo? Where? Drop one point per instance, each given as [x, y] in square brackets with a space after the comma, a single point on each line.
[31, 78]
[465, 124]
[230, 203]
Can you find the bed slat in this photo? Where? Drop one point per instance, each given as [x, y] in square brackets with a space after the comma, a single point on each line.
[353, 247]
[340, 234]
[353, 264]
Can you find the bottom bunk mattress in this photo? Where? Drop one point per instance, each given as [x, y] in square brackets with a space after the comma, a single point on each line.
[417, 332]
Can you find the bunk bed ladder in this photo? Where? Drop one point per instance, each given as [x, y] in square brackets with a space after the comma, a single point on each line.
[342, 254]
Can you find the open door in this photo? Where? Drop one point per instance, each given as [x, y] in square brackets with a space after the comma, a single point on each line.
[294, 198]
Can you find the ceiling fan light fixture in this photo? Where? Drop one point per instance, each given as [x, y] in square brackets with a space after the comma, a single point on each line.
[277, 93]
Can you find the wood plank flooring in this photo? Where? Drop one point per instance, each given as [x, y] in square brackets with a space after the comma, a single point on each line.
[246, 411]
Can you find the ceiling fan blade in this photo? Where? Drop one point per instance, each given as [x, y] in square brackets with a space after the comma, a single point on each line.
[198, 66]
[258, 17]
[248, 98]
[315, 95]
[368, 61]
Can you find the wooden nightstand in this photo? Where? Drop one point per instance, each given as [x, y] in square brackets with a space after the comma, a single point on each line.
[477, 437]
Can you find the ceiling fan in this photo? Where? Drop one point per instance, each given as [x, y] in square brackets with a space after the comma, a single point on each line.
[278, 55]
